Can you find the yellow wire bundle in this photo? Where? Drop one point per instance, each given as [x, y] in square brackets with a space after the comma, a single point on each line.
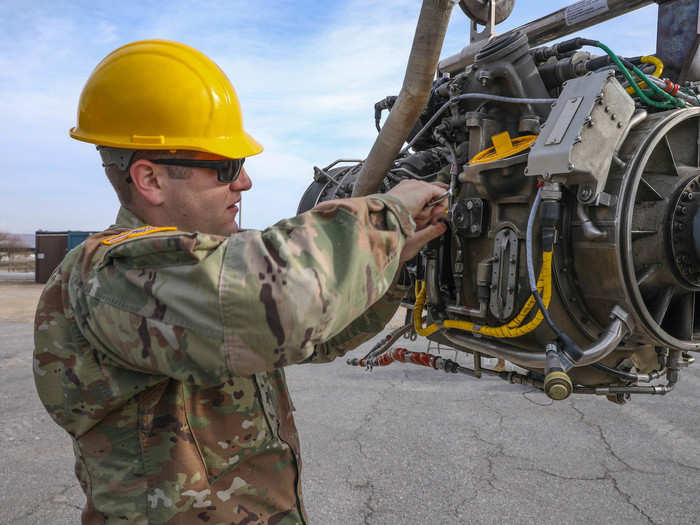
[512, 329]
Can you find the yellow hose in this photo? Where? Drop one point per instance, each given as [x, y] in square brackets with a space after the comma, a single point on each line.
[657, 72]
[512, 329]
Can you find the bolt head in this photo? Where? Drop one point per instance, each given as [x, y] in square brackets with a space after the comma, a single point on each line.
[586, 192]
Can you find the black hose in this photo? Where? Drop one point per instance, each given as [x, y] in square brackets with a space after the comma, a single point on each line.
[628, 376]
[532, 281]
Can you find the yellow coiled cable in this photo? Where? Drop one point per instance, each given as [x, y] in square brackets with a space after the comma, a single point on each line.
[510, 330]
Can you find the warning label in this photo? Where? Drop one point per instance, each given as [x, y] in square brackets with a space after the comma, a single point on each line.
[582, 11]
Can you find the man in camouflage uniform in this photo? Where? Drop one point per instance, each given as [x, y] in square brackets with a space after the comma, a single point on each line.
[160, 343]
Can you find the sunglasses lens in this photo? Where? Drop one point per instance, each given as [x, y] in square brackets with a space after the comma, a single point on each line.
[230, 171]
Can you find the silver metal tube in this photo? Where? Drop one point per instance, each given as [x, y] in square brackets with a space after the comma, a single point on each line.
[654, 390]
[612, 336]
[495, 349]
[636, 119]
[430, 279]
[390, 341]
[546, 29]
[590, 230]
[684, 96]
[356, 161]
[420, 72]
[474, 312]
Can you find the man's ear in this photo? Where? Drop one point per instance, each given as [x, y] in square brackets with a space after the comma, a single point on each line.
[147, 178]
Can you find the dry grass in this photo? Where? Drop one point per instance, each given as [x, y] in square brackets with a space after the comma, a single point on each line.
[18, 300]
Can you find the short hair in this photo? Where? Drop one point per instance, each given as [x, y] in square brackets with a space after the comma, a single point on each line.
[121, 180]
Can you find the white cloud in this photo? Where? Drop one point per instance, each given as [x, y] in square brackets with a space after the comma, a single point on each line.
[308, 75]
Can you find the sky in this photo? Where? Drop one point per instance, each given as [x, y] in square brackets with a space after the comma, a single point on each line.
[307, 75]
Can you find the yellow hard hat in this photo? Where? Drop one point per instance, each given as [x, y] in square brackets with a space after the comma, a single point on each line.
[162, 95]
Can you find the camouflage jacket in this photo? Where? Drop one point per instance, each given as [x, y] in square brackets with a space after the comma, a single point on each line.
[161, 354]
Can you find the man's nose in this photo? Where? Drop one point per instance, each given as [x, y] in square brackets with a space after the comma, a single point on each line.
[243, 182]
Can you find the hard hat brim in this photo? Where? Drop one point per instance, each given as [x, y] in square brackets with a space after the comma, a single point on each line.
[235, 146]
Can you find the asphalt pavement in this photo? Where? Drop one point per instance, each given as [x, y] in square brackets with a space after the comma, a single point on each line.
[407, 445]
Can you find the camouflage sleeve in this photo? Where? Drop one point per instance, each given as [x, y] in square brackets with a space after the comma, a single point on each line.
[314, 275]
[151, 305]
[369, 324]
[200, 308]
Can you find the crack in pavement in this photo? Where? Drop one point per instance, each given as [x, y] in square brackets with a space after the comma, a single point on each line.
[683, 465]
[560, 476]
[628, 498]
[491, 456]
[498, 452]
[608, 472]
[369, 505]
[606, 443]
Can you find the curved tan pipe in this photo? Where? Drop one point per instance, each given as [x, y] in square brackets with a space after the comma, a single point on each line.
[422, 64]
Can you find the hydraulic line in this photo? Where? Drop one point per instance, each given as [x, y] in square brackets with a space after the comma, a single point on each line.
[403, 355]
[629, 376]
[384, 344]
[673, 367]
[483, 96]
[671, 101]
[624, 66]
[676, 90]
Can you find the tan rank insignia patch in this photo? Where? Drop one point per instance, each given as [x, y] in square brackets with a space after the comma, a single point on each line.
[138, 232]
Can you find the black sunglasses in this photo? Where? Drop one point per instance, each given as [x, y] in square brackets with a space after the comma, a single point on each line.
[227, 170]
